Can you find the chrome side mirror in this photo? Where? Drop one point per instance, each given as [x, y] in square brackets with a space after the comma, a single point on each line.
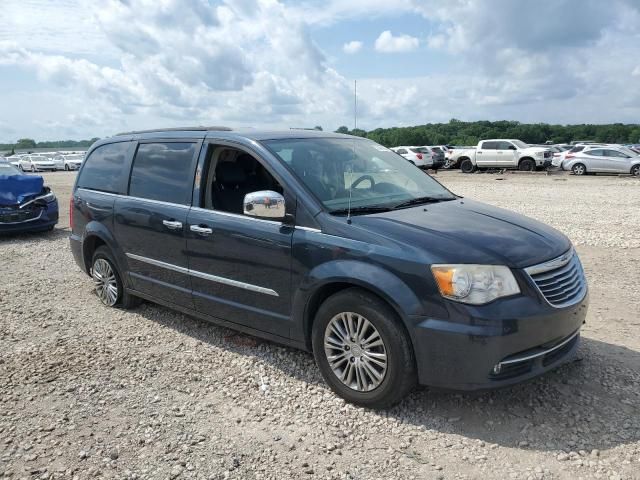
[264, 204]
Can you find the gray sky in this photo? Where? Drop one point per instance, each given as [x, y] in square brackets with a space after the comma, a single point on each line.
[80, 68]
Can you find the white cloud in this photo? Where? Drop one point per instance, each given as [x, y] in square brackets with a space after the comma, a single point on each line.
[387, 43]
[352, 47]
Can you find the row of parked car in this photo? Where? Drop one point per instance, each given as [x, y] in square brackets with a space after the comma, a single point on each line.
[580, 158]
[46, 162]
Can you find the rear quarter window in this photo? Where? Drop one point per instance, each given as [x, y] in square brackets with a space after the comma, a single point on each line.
[164, 172]
[104, 169]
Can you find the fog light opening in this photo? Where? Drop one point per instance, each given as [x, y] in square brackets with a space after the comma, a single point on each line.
[497, 369]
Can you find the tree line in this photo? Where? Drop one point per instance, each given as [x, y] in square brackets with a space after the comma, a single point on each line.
[457, 132]
[27, 143]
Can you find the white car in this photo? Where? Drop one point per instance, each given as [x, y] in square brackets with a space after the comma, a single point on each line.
[419, 156]
[68, 161]
[36, 163]
[604, 159]
[14, 160]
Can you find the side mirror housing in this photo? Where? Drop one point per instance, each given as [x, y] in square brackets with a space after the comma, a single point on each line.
[264, 204]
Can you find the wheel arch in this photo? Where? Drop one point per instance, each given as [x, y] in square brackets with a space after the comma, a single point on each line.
[96, 235]
[387, 287]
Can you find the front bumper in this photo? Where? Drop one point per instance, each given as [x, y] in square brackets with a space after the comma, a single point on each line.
[42, 218]
[462, 353]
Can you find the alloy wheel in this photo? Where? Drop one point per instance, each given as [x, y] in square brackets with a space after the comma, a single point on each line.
[635, 171]
[578, 170]
[355, 351]
[105, 281]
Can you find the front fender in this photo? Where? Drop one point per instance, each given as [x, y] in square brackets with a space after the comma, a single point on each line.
[347, 273]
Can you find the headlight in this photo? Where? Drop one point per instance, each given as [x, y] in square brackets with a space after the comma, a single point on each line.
[49, 197]
[474, 284]
[539, 154]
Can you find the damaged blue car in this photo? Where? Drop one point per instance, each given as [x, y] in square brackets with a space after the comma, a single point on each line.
[26, 205]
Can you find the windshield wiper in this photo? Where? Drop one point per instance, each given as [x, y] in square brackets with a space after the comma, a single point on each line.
[421, 200]
[362, 210]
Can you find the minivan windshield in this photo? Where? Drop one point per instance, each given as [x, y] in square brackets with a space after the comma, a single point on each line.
[359, 173]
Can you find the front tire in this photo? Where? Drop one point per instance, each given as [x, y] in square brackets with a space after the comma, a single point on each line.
[526, 165]
[579, 169]
[362, 349]
[467, 166]
[108, 281]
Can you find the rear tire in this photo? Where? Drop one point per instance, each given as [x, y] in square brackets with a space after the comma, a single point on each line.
[108, 281]
[579, 169]
[371, 349]
[635, 171]
[467, 166]
[526, 165]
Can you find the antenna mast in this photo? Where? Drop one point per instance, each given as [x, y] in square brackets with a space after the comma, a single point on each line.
[355, 104]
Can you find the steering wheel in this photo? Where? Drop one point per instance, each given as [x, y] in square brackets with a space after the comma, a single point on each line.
[362, 179]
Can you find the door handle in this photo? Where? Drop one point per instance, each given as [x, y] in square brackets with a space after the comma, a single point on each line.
[201, 230]
[172, 224]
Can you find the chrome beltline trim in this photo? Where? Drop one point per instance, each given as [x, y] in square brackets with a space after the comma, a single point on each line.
[213, 212]
[205, 276]
[541, 354]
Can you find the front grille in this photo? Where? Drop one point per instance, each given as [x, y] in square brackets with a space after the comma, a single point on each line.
[547, 154]
[18, 216]
[561, 280]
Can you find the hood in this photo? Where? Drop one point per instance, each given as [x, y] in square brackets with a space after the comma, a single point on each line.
[15, 189]
[535, 149]
[464, 231]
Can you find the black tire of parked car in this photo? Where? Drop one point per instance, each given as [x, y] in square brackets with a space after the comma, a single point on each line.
[579, 169]
[526, 165]
[635, 170]
[400, 377]
[66, 167]
[467, 166]
[124, 300]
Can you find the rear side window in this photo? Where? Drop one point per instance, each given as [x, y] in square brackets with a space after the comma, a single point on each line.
[104, 168]
[576, 149]
[596, 152]
[401, 151]
[489, 145]
[163, 171]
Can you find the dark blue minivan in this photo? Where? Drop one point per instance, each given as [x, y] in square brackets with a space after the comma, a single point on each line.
[333, 244]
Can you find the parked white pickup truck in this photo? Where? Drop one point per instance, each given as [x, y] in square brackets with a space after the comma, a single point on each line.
[501, 153]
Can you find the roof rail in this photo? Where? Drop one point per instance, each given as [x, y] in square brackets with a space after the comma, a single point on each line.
[177, 129]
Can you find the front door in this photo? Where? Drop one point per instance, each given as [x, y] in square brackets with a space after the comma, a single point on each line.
[506, 155]
[240, 266]
[151, 222]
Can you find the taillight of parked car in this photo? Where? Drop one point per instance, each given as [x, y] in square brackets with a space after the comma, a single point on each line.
[71, 212]
[568, 156]
[419, 155]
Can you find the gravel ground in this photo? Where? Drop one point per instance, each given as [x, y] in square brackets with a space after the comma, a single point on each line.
[87, 391]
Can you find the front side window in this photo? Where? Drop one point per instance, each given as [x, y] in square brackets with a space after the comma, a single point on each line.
[164, 172]
[504, 146]
[615, 153]
[104, 169]
[356, 171]
[230, 174]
